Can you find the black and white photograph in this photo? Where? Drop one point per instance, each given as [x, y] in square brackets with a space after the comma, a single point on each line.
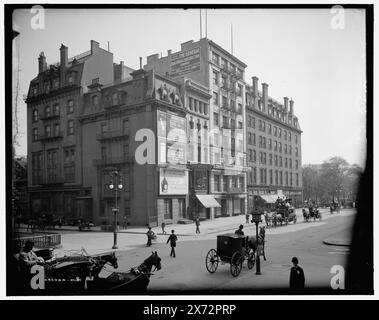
[161, 150]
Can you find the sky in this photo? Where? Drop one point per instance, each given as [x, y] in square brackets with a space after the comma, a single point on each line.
[299, 52]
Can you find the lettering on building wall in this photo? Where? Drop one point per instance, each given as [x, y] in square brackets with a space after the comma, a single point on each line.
[185, 62]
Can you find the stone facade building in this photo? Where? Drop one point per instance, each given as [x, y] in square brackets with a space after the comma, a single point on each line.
[219, 176]
[185, 133]
[273, 146]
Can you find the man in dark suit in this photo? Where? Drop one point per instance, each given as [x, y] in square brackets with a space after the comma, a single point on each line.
[172, 239]
[297, 279]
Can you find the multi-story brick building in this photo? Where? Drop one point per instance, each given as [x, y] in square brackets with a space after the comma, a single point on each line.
[273, 146]
[54, 100]
[138, 127]
[222, 171]
[176, 131]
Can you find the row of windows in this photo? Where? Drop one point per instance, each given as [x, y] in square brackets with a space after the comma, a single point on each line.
[125, 126]
[278, 146]
[226, 122]
[277, 132]
[223, 63]
[228, 182]
[272, 177]
[53, 130]
[105, 153]
[272, 160]
[53, 110]
[48, 85]
[52, 166]
[197, 106]
[222, 80]
[231, 105]
[274, 112]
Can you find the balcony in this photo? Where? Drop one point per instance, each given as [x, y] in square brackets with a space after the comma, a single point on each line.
[50, 137]
[117, 134]
[50, 117]
[109, 161]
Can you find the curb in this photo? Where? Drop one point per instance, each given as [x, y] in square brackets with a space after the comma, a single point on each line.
[337, 242]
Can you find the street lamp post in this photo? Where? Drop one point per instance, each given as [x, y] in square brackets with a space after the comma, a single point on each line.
[256, 217]
[116, 186]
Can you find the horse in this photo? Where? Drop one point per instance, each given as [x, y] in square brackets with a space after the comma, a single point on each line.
[134, 281]
[269, 219]
[252, 242]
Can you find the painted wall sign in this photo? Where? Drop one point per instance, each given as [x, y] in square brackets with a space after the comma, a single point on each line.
[184, 62]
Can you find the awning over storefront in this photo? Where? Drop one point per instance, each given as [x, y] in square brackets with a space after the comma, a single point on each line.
[208, 201]
[269, 198]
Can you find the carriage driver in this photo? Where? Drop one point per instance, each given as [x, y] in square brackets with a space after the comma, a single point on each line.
[27, 258]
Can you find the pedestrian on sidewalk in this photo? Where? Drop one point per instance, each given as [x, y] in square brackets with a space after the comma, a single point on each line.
[197, 222]
[247, 217]
[125, 222]
[172, 239]
[163, 226]
[150, 235]
[297, 280]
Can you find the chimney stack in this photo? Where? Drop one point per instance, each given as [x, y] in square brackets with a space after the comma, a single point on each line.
[140, 62]
[64, 63]
[42, 66]
[265, 95]
[64, 55]
[169, 52]
[291, 106]
[285, 104]
[122, 73]
[255, 86]
[94, 46]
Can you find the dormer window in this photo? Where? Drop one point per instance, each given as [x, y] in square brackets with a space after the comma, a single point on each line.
[71, 78]
[115, 99]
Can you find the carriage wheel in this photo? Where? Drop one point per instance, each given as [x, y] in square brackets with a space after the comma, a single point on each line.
[236, 264]
[251, 260]
[211, 261]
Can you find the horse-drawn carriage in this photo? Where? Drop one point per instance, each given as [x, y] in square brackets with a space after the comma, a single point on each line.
[87, 268]
[233, 249]
[283, 213]
[334, 207]
[312, 213]
[80, 274]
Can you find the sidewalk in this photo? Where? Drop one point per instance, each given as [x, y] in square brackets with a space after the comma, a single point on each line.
[206, 227]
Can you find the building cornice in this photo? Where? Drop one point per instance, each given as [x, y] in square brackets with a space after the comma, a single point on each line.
[260, 113]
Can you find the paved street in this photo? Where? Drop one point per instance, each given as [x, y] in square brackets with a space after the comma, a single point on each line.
[187, 271]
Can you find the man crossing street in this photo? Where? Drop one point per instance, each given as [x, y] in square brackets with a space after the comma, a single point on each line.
[172, 239]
